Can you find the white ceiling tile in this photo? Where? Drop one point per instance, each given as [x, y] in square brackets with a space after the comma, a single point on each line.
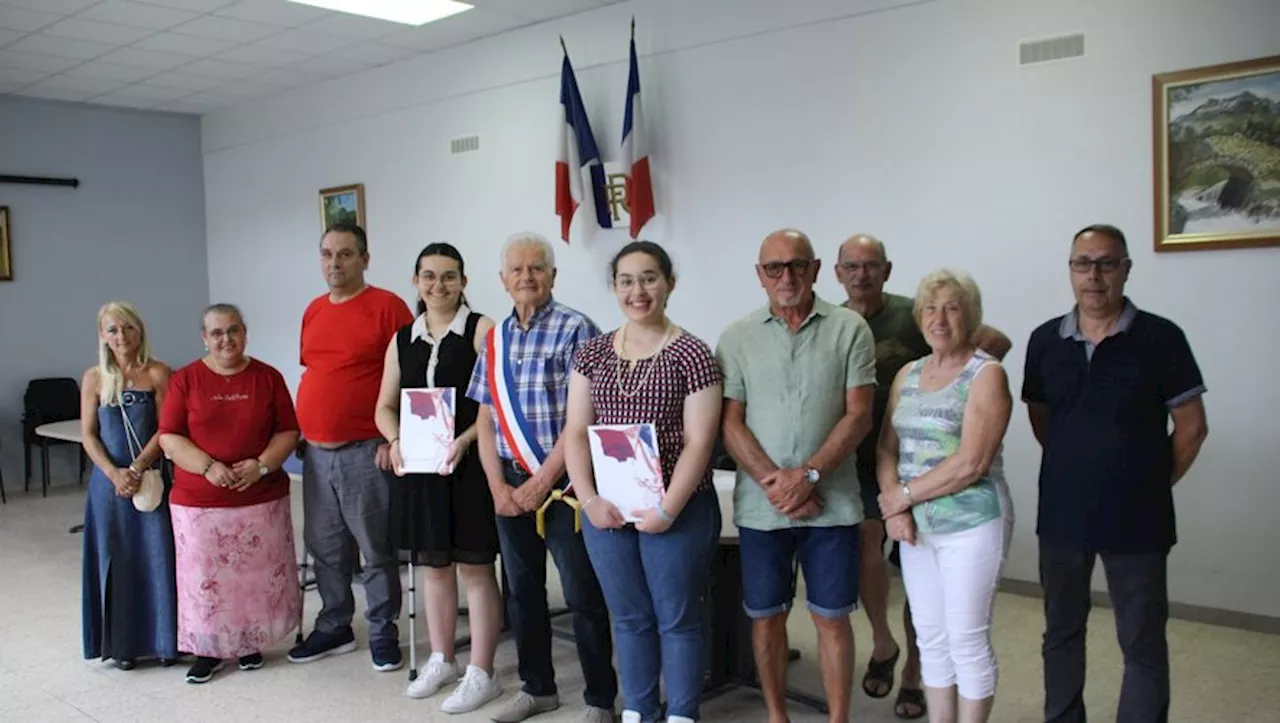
[26, 20]
[21, 76]
[83, 29]
[198, 6]
[184, 44]
[39, 91]
[145, 58]
[186, 106]
[375, 53]
[352, 26]
[8, 36]
[290, 77]
[188, 81]
[331, 66]
[123, 12]
[155, 93]
[240, 31]
[35, 61]
[62, 47]
[261, 55]
[301, 41]
[455, 30]
[62, 7]
[220, 69]
[88, 85]
[217, 100]
[541, 10]
[111, 71]
[249, 88]
[286, 14]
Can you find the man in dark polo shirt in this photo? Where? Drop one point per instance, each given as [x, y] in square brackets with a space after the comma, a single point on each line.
[1101, 384]
[862, 268]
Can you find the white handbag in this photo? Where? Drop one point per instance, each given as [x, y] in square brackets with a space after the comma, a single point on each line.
[151, 491]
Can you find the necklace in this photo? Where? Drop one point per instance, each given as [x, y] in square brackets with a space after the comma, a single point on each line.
[654, 358]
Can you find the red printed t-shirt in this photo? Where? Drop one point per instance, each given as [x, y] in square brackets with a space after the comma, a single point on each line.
[231, 418]
[343, 347]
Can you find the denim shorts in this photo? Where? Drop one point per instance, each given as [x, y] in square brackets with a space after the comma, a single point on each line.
[828, 557]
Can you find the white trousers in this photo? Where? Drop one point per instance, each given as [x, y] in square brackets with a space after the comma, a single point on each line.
[951, 584]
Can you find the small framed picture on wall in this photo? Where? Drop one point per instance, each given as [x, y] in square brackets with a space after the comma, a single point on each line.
[1217, 156]
[342, 204]
[6, 250]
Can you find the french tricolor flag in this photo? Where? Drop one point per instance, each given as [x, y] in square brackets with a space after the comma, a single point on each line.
[635, 152]
[578, 158]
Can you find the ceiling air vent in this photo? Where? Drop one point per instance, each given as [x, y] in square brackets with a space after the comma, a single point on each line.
[464, 145]
[1043, 51]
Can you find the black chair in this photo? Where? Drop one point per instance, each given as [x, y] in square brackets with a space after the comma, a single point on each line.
[52, 399]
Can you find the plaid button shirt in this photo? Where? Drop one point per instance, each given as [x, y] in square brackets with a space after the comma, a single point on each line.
[541, 360]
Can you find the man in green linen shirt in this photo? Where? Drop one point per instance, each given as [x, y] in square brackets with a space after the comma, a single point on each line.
[799, 381]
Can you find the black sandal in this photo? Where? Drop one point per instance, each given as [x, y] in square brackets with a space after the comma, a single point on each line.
[881, 671]
[910, 696]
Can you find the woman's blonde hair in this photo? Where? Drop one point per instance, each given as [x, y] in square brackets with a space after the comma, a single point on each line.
[110, 376]
[966, 288]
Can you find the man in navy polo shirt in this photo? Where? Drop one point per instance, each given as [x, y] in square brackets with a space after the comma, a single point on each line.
[1101, 383]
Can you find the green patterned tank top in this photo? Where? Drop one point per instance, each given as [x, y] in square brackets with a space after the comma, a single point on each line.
[928, 426]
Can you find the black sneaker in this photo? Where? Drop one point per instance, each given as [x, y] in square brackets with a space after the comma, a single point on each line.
[203, 670]
[386, 655]
[320, 645]
[251, 662]
[126, 664]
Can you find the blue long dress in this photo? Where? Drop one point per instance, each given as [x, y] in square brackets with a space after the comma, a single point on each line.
[130, 606]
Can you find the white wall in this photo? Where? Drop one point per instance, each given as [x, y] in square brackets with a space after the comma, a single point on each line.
[913, 122]
[133, 230]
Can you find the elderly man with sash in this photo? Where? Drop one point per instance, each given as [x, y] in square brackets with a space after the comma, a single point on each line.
[522, 385]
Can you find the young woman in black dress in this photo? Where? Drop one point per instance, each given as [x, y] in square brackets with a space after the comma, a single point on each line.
[446, 522]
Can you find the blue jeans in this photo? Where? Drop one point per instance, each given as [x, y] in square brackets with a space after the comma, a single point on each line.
[828, 556]
[656, 588]
[524, 562]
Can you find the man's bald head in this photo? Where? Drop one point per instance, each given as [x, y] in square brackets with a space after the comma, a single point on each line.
[862, 269]
[864, 241]
[787, 268]
[786, 243]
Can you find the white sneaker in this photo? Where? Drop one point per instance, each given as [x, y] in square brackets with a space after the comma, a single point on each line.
[476, 689]
[678, 719]
[429, 681]
[630, 716]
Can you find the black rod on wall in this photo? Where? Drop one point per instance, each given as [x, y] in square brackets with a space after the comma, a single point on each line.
[41, 181]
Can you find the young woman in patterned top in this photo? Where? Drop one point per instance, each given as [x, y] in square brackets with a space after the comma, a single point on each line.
[654, 571]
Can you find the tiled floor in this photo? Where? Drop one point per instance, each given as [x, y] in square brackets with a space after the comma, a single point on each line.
[1219, 674]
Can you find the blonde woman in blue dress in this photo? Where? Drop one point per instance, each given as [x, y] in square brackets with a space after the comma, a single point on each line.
[944, 496]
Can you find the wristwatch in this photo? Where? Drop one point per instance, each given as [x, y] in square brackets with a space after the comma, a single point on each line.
[811, 475]
[263, 470]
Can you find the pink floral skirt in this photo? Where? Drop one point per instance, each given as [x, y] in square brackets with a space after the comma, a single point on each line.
[237, 578]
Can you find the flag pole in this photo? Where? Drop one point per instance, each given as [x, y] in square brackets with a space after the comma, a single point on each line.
[563, 46]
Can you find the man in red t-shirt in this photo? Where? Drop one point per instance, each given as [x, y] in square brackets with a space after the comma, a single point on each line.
[346, 488]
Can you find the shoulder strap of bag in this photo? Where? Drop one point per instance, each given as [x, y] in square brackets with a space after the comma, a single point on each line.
[131, 437]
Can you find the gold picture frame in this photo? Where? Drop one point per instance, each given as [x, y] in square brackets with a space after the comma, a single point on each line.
[342, 204]
[1216, 135]
[6, 249]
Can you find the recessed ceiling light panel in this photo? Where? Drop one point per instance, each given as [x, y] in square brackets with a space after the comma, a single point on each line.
[408, 12]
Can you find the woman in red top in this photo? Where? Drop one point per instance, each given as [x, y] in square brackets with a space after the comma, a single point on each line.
[228, 424]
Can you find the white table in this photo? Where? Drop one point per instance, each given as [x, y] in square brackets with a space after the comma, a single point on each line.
[67, 431]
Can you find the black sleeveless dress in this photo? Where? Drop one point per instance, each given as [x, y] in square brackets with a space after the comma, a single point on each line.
[443, 519]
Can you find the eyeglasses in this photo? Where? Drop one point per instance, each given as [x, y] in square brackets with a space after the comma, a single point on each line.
[234, 330]
[774, 269]
[627, 282]
[448, 278]
[1105, 264]
[870, 267]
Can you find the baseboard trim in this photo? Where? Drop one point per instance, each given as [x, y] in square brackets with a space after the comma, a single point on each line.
[1180, 611]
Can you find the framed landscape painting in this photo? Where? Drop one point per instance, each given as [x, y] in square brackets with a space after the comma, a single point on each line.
[1217, 156]
[6, 252]
[342, 204]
